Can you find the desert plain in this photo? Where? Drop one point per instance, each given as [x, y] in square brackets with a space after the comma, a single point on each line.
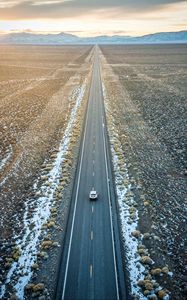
[43, 96]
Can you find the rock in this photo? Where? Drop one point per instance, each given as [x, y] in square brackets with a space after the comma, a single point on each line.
[162, 294]
[38, 287]
[136, 233]
[157, 271]
[146, 260]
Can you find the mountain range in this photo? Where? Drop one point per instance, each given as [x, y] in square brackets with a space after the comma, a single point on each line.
[66, 38]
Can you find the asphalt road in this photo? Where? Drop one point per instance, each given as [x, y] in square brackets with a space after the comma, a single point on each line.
[91, 266]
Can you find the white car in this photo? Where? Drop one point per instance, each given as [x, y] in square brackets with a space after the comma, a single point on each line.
[93, 195]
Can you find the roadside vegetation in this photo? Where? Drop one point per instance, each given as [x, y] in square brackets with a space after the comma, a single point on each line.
[41, 118]
[145, 92]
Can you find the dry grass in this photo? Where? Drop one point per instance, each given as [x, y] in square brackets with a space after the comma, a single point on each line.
[35, 83]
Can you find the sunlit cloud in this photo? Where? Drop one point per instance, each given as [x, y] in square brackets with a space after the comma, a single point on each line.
[52, 2]
[5, 4]
[134, 17]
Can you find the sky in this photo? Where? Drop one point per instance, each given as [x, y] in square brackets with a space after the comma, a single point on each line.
[93, 17]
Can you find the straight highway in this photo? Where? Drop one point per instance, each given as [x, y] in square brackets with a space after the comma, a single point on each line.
[91, 266]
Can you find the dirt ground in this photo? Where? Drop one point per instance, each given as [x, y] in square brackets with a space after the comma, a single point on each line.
[33, 109]
[147, 88]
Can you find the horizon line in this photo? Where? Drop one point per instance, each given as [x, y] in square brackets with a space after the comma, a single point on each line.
[37, 32]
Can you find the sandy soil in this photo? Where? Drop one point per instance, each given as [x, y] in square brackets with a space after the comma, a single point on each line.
[146, 90]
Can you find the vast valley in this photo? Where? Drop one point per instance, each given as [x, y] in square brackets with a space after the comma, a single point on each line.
[44, 93]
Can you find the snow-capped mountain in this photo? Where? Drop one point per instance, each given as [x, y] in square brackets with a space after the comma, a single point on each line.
[66, 38]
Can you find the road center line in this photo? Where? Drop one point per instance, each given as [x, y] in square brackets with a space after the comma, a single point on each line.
[91, 236]
[91, 271]
[92, 209]
[76, 197]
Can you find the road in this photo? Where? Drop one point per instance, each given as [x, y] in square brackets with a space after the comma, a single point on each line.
[91, 267]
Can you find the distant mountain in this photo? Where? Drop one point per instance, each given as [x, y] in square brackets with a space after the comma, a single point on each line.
[32, 38]
[65, 38]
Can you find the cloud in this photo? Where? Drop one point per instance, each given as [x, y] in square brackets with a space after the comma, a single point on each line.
[32, 9]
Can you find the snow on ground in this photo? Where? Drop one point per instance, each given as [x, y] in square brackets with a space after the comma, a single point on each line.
[27, 244]
[126, 205]
[132, 237]
[8, 156]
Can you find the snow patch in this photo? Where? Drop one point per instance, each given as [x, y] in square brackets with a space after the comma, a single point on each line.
[6, 158]
[20, 272]
[126, 201]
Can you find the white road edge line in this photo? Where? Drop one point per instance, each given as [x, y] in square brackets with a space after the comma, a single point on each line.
[76, 197]
[109, 200]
